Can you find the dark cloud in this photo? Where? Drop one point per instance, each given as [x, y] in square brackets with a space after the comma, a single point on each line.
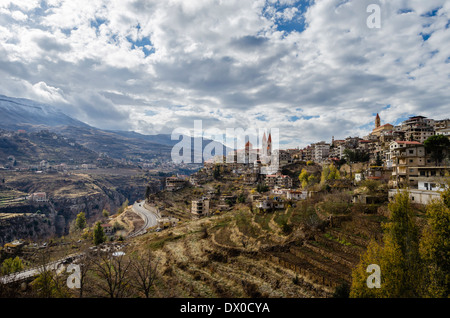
[50, 44]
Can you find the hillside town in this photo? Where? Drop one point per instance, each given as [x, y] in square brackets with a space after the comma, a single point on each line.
[394, 155]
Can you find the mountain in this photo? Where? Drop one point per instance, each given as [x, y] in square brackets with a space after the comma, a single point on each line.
[30, 148]
[20, 113]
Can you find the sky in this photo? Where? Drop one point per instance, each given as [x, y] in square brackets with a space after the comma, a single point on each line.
[312, 69]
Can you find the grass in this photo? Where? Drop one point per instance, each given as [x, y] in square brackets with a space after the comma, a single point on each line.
[340, 241]
[244, 224]
[158, 244]
[263, 220]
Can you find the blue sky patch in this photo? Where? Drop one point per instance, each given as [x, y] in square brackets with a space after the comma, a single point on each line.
[276, 12]
[425, 37]
[404, 11]
[431, 13]
[144, 44]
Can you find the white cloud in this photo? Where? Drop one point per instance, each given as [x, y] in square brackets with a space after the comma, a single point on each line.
[230, 63]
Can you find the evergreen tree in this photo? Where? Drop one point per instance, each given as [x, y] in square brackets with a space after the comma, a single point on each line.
[99, 234]
[438, 146]
[80, 222]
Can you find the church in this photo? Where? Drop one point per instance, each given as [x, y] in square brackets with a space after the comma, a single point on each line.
[379, 129]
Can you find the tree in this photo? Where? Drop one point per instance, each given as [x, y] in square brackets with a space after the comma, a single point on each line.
[99, 234]
[216, 172]
[403, 234]
[105, 213]
[378, 160]
[438, 146]
[356, 155]
[86, 265]
[398, 256]
[329, 173]
[48, 283]
[123, 207]
[262, 188]
[80, 222]
[144, 272]
[303, 175]
[359, 287]
[435, 251]
[11, 265]
[303, 178]
[113, 272]
[147, 192]
[241, 198]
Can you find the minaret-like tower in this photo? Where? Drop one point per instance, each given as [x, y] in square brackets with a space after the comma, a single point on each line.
[269, 145]
[264, 145]
[377, 121]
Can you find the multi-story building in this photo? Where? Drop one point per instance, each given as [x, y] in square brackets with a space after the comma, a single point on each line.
[306, 154]
[442, 127]
[278, 180]
[284, 157]
[200, 207]
[175, 183]
[418, 128]
[320, 151]
[407, 157]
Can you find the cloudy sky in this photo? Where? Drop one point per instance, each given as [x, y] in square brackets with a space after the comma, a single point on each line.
[313, 69]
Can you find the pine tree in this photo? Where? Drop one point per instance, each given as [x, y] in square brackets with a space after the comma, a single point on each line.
[80, 222]
[99, 234]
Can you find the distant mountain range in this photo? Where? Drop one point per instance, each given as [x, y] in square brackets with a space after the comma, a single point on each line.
[20, 113]
[23, 114]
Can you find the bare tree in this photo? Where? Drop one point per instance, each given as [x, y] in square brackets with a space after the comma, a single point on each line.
[47, 283]
[113, 272]
[144, 272]
[85, 261]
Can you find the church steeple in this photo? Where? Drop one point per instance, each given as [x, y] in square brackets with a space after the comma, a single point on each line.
[377, 121]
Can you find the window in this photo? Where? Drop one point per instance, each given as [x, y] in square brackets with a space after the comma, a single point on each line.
[411, 151]
[410, 160]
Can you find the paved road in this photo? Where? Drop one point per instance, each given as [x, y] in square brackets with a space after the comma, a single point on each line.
[35, 271]
[150, 217]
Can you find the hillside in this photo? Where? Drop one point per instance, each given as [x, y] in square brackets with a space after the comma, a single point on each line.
[31, 116]
[22, 149]
[254, 254]
[20, 113]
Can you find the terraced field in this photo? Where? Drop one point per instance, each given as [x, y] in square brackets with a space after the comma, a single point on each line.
[286, 253]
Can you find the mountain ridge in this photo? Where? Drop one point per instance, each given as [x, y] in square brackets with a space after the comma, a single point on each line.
[29, 115]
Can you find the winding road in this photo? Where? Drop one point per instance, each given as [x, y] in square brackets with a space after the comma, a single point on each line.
[150, 217]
